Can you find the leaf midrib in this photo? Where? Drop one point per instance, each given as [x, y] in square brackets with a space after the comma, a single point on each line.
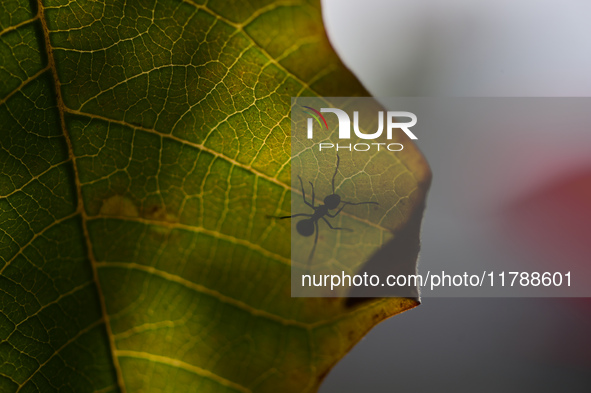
[79, 199]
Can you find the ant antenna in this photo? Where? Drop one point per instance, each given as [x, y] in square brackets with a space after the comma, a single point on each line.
[335, 172]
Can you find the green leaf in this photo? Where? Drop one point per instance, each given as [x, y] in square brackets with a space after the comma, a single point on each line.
[142, 145]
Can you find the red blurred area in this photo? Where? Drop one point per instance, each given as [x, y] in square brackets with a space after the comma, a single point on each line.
[554, 220]
[552, 223]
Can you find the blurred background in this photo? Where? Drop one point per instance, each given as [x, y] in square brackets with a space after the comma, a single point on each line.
[536, 206]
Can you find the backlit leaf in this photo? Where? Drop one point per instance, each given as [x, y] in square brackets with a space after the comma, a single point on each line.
[142, 145]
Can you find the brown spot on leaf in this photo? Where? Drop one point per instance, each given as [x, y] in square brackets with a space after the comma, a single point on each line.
[118, 206]
[157, 213]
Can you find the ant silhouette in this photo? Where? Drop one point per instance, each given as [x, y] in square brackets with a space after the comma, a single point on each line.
[309, 226]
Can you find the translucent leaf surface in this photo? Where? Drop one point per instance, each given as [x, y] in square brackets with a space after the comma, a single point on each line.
[142, 145]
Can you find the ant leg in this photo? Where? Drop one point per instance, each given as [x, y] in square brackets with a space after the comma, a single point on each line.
[337, 213]
[349, 203]
[360, 203]
[304, 192]
[335, 172]
[295, 215]
[315, 242]
[312, 185]
[331, 227]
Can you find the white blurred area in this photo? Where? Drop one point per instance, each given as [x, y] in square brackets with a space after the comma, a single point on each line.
[476, 48]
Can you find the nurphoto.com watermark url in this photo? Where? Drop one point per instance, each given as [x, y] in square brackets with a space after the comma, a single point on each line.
[440, 280]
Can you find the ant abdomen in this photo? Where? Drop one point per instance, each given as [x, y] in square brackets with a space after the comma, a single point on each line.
[305, 227]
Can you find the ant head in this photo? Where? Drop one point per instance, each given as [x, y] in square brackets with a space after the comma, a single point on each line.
[332, 201]
[305, 227]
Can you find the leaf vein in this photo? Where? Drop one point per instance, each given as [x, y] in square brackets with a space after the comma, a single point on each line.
[61, 109]
[184, 366]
